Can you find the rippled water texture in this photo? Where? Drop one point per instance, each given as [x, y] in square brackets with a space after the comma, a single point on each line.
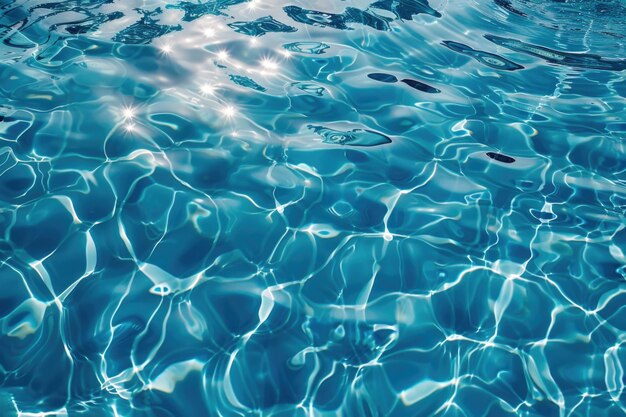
[312, 208]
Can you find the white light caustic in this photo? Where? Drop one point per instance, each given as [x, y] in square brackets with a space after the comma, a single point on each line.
[128, 112]
[229, 111]
[253, 4]
[207, 89]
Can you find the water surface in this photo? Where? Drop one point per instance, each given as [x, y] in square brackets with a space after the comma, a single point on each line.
[312, 208]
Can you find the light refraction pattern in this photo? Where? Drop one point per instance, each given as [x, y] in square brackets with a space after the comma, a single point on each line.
[312, 208]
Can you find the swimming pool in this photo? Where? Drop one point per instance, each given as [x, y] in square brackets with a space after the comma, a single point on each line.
[312, 208]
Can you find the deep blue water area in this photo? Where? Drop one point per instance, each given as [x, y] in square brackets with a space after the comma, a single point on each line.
[296, 208]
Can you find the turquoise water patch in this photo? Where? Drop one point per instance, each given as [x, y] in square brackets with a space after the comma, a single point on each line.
[298, 208]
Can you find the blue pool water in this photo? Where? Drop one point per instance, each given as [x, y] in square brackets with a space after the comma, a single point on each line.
[312, 208]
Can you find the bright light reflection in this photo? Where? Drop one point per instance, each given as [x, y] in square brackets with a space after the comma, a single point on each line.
[128, 112]
[269, 64]
[229, 111]
[207, 89]
[253, 4]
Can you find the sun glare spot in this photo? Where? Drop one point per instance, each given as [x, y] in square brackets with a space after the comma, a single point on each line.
[128, 112]
[207, 89]
[229, 111]
[253, 4]
[269, 64]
